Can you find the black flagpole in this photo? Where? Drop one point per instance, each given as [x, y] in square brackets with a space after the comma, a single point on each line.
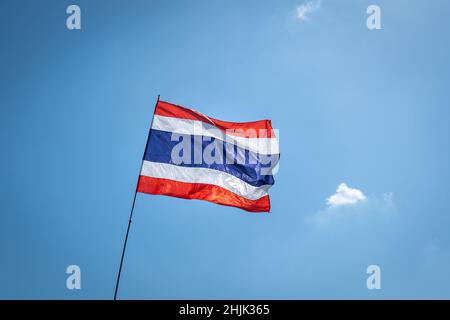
[132, 209]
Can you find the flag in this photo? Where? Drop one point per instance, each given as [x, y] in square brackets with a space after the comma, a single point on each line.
[192, 156]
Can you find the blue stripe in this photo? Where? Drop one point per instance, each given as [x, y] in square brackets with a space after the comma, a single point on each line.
[160, 146]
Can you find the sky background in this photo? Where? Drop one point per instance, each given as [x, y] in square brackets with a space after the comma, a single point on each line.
[368, 108]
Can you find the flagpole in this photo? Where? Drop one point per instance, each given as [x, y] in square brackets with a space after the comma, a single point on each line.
[132, 208]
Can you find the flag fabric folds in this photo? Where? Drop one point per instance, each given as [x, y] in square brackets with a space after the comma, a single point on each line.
[192, 156]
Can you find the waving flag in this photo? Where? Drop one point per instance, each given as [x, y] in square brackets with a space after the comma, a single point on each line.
[192, 156]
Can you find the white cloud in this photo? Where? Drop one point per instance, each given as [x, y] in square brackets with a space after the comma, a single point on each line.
[351, 206]
[306, 8]
[345, 195]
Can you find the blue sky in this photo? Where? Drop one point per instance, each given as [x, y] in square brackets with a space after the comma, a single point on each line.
[368, 108]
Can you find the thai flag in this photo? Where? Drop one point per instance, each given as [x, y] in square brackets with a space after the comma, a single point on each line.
[192, 156]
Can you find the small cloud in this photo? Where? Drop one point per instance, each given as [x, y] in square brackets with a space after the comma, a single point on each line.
[306, 8]
[349, 206]
[345, 195]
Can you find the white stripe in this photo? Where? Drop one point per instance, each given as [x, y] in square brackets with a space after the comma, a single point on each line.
[203, 175]
[265, 146]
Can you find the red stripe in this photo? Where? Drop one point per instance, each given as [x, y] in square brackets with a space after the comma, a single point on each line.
[201, 191]
[255, 129]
